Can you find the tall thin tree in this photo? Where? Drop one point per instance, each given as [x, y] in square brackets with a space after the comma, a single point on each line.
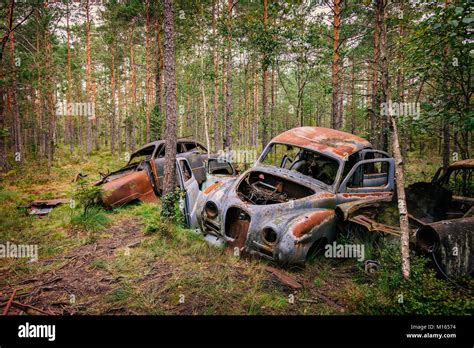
[170, 83]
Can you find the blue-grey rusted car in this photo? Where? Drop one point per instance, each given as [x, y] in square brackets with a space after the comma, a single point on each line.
[283, 208]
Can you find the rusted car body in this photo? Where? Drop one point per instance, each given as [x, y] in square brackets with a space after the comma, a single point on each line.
[441, 217]
[283, 207]
[141, 179]
[445, 206]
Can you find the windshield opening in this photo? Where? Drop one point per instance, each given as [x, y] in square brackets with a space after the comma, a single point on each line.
[144, 154]
[304, 161]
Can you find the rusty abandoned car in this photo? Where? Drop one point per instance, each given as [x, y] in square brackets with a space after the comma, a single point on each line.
[142, 177]
[283, 207]
[308, 185]
[441, 217]
[445, 207]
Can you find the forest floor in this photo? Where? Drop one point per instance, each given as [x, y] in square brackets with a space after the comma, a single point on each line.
[123, 268]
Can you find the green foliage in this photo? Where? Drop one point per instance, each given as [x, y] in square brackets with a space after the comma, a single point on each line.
[152, 222]
[92, 220]
[423, 293]
[170, 207]
[156, 123]
[87, 195]
[88, 214]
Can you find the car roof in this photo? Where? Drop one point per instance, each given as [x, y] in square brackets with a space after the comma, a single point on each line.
[159, 142]
[327, 141]
[467, 163]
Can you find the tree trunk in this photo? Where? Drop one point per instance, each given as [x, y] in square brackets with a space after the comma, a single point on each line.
[170, 83]
[446, 130]
[147, 72]
[89, 77]
[204, 108]
[159, 78]
[383, 143]
[112, 99]
[228, 101]
[131, 115]
[353, 96]
[399, 170]
[272, 108]
[375, 68]
[341, 96]
[216, 80]
[17, 141]
[4, 165]
[336, 120]
[265, 113]
[69, 85]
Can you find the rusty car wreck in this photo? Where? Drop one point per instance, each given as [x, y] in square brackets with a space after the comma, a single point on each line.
[441, 217]
[283, 208]
[142, 177]
[308, 185]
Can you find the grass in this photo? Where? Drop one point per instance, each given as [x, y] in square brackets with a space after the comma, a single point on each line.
[170, 270]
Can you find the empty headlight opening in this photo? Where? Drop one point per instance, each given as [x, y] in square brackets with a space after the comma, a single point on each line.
[211, 210]
[269, 235]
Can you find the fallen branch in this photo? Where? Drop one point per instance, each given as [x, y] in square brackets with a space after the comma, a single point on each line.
[9, 303]
[22, 306]
[284, 278]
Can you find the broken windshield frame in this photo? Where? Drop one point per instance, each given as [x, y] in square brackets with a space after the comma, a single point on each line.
[143, 154]
[287, 156]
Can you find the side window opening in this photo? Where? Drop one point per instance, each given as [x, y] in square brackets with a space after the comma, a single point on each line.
[190, 146]
[202, 149]
[179, 149]
[187, 174]
[351, 161]
[370, 175]
[461, 182]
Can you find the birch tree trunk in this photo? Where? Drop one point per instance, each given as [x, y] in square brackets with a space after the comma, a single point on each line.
[399, 170]
[170, 83]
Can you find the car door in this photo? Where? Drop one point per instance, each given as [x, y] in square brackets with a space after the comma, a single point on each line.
[197, 165]
[190, 186]
[368, 178]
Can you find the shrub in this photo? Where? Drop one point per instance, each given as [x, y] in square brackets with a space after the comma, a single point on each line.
[171, 208]
[88, 214]
[423, 293]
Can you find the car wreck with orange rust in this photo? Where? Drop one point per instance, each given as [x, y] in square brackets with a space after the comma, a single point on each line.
[141, 179]
[283, 208]
[440, 216]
